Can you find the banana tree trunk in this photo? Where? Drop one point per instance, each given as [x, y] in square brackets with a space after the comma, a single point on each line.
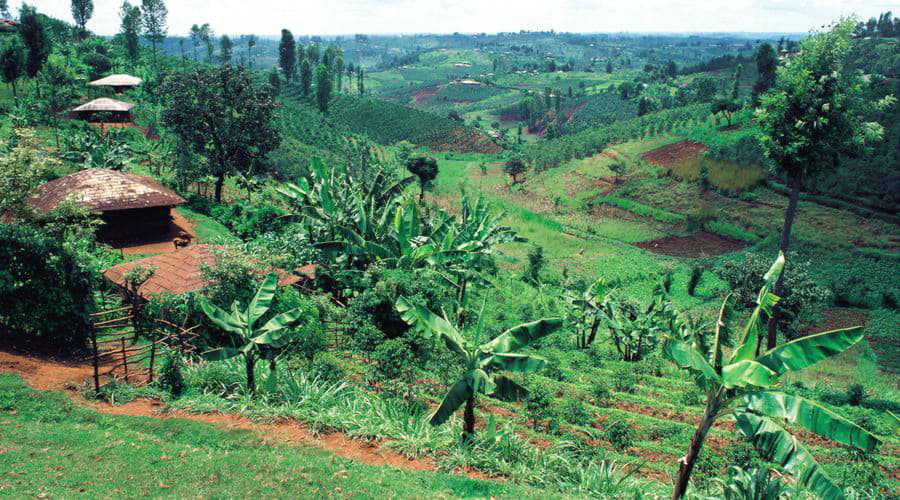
[251, 376]
[469, 419]
[684, 472]
[789, 216]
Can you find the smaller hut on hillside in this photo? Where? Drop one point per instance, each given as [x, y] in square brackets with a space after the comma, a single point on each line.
[104, 110]
[118, 83]
[131, 206]
[178, 272]
[8, 26]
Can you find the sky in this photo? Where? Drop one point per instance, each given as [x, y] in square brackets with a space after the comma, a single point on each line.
[333, 17]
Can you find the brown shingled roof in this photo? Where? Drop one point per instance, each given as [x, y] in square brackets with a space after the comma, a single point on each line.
[178, 272]
[105, 190]
[105, 104]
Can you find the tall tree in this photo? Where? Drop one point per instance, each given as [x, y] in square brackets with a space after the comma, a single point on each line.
[37, 43]
[153, 16]
[4, 9]
[226, 49]
[735, 89]
[82, 10]
[812, 117]
[130, 31]
[323, 88]
[312, 53]
[251, 42]
[206, 36]
[359, 81]
[305, 77]
[195, 39]
[766, 64]
[223, 116]
[425, 168]
[12, 63]
[339, 72]
[287, 54]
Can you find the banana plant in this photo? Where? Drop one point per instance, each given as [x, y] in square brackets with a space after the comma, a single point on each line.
[481, 361]
[586, 312]
[245, 337]
[743, 386]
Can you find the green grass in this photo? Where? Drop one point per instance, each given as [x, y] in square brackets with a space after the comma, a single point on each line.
[52, 447]
[207, 229]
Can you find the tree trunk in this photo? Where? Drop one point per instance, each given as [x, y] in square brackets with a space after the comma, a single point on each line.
[469, 419]
[220, 180]
[251, 376]
[789, 215]
[684, 472]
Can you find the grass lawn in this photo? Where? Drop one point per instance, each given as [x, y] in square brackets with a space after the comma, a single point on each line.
[52, 447]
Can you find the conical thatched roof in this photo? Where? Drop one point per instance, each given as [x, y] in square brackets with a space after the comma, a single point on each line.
[105, 104]
[117, 81]
[105, 190]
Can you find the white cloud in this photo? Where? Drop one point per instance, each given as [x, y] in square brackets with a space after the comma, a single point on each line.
[267, 17]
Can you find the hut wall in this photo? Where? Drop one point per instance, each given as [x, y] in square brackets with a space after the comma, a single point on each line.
[138, 224]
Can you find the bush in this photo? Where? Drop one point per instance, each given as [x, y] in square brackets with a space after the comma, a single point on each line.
[856, 393]
[601, 392]
[170, 378]
[694, 279]
[46, 290]
[619, 435]
[393, 360]
[574, 412]
[327, 368]
[539, 404]
[625, 380]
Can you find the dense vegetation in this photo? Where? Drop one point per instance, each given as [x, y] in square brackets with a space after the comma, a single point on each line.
[551, 261]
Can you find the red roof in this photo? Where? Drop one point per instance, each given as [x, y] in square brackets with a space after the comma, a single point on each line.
[105, 190]
[178, 272]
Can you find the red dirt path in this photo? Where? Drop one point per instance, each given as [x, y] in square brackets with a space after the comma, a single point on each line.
[667, 156]
[699, 244]
[55, 375]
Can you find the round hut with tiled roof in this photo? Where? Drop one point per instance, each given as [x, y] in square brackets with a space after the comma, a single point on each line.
[133, 207]
[104, 109]
[119, 83]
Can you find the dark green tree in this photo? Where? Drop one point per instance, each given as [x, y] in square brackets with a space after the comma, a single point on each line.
[425, 168]
[609, 66]
[130, 31]
[82, 10]
[223, 116]
[766, 63]
[735, 89]
[812, 117]
[287, 54]
[727, 107]
[313, 54]
[153, 16]
[37, 43]
[275, 82]
[359, 82]
[339, 72]
[251, 42]
[305, 78]
[323, 88]
[226, 49]
[195, 39]
[4, 9]
[206, 36]
[514, 166]
[12, 64]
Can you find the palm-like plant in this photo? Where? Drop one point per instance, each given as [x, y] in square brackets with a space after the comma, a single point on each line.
[245, 337]
[587, 312]
[744, 388]
[481, 361]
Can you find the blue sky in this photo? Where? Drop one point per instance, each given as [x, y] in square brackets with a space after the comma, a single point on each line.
[307, 17]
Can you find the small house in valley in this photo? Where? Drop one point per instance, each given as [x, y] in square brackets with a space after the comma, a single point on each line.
[132, 207]
[178, 272]
[118, 83]
[104, 110]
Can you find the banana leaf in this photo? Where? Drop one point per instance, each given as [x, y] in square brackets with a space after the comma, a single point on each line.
[514, 362]
[685, 355]
[420, 317]
[807, 351]
[221, 318]
[262, 301]
[520, 336]
[456, 396]
[747, 373]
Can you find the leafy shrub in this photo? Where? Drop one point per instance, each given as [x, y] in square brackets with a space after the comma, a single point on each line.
[742, 454]
[393, 360]
[601, 392]
[708, 466]
[694, 279]
[856, 393]
[625, 379]
[539, 404]
[574, 412]
[327, 368]
[170, 378]
[46, 289]
[619, 435]
[691, 397]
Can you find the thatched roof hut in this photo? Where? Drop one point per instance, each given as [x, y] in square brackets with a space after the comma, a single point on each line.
[104, 109]
[119, 83]
[132, 206]
[178, 272]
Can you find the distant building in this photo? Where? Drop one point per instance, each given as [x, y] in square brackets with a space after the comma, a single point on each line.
[8, 26]
[104, 109]
[118, 83]
[131, 206]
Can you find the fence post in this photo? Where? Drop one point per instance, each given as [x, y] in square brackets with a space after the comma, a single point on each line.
[124, 359]
[152, 350]
[96, 361]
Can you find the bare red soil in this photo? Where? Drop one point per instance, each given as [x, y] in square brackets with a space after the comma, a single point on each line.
[699, 244]
[424, 96]
[667, 156]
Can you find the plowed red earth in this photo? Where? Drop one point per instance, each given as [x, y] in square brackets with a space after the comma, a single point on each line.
[667, 156]
[699, 244]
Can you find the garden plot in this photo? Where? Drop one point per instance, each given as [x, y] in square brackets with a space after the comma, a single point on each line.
[699, 244]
